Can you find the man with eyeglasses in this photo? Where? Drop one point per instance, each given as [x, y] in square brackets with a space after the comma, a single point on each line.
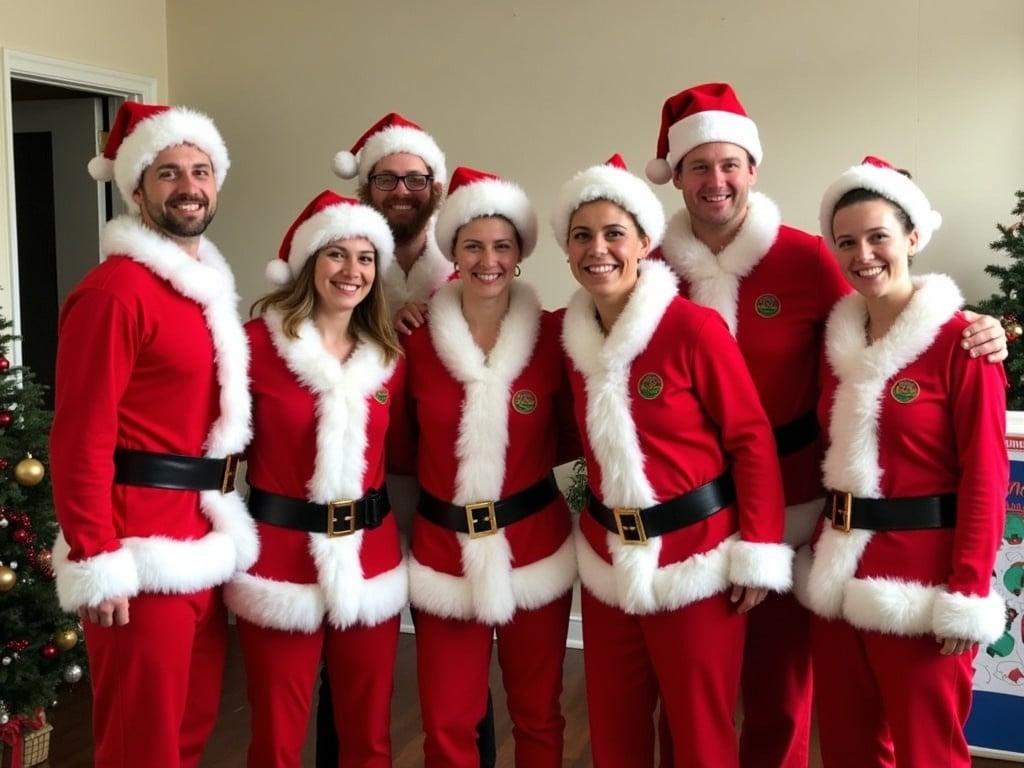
[402, 174]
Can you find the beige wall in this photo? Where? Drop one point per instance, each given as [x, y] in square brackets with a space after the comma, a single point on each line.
[535, 90]
[128, 36]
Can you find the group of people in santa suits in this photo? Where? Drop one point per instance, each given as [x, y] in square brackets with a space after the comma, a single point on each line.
[706, 382]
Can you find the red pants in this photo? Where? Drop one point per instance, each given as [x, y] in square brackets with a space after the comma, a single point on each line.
[453, 658]
[156, 680]
[888, 700]
[281, 670]
[690, 657]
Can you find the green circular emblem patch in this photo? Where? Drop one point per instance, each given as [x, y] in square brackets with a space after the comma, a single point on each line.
[905, 391]
[650, 386]
[381, 396]
[524, 401]
[767, 305]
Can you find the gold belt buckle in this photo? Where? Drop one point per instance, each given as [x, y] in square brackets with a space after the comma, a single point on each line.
[844, 512]
[348, 525]
[227, 482]
[490, 520]
[630, 525]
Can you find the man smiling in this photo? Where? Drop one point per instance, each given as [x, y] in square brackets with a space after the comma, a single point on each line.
[152, 408]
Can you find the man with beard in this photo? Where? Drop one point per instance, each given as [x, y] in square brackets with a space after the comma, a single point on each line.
[774, 286]
[152, 408]
[401, 172]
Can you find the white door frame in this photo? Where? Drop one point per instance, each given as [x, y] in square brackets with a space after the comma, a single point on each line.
[18, 65]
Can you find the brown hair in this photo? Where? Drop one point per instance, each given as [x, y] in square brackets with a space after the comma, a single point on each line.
[296, 301]
[506, 219]
[620, 206]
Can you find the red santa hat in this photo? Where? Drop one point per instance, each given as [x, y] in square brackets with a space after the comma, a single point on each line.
[878, 175]
[611, 181]
[142, 131]
[701, 115]
[327, 218]
[389, 136]
[475, 194]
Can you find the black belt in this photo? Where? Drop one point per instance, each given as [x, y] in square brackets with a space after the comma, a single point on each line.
[337, 518]
[909, 513]
[483, 518]
[636, 526]
[179, 473]
[796, 434]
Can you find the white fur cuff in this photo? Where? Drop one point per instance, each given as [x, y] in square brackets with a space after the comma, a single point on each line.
[95, 579]
[762, 565]
[981, 619]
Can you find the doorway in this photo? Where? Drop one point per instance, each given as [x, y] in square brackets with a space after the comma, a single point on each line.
[54, 115]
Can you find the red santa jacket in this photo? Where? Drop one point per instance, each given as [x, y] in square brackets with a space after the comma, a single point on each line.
[774, 286]
[665, 404]
[319, 429]
[151, 357]
[912, 415]
[488, 427]
[429, 272]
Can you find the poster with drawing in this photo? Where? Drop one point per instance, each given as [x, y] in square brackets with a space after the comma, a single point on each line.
[997, 711]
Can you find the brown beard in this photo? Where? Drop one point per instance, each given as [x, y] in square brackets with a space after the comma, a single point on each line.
[406, 231]
[165, 223]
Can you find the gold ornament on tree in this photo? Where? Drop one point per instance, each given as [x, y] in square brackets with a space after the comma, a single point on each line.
[66, 639]
[8, 578]
[29, 471]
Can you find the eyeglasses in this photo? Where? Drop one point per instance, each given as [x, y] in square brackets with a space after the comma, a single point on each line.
[414, 182]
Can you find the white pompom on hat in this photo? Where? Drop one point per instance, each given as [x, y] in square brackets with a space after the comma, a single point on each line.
[880, 176]
[475, 194]
[611, 181]
[700, 115]
[329, 217]
[141, 132]
[390, 135]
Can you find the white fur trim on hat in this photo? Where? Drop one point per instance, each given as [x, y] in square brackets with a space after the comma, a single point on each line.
[606, 182]
[480, 199]
[704, 128]
[336, 223]
[890, 184]
[152, 135]
[392, 141]
[101, 168]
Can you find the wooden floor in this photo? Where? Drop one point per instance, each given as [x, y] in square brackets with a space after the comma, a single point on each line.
[71, 744]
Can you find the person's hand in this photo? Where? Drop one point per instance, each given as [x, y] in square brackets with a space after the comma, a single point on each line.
[954, 646]
[108, 613]
[984, 336]
[745, 598]
[410, 316]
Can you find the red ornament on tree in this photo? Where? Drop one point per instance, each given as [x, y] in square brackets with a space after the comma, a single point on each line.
[49, 651]
[4, 363]
[4, 464]
[21, 536]
[6, 417]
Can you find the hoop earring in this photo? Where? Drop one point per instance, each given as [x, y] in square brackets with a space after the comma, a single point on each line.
[517, 271]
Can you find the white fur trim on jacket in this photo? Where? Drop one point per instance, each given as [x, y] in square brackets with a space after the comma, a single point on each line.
[762, 565]
[714, 280]
[161, 564]
[342, 391]
[852, 459]
[151, 136]
[429, 272]
[638, 585]
[338, 222]
[490, 197]
[491, 589]
[606, 182]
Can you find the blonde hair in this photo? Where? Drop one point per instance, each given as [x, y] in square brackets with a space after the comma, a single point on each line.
[371, 319]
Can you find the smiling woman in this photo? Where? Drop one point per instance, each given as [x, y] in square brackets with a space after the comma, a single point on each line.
[327, 380]
[898, 576]
[680, 534]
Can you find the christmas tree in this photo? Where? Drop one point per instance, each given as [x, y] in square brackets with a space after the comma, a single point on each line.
[1008, 304]
[39, 643]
